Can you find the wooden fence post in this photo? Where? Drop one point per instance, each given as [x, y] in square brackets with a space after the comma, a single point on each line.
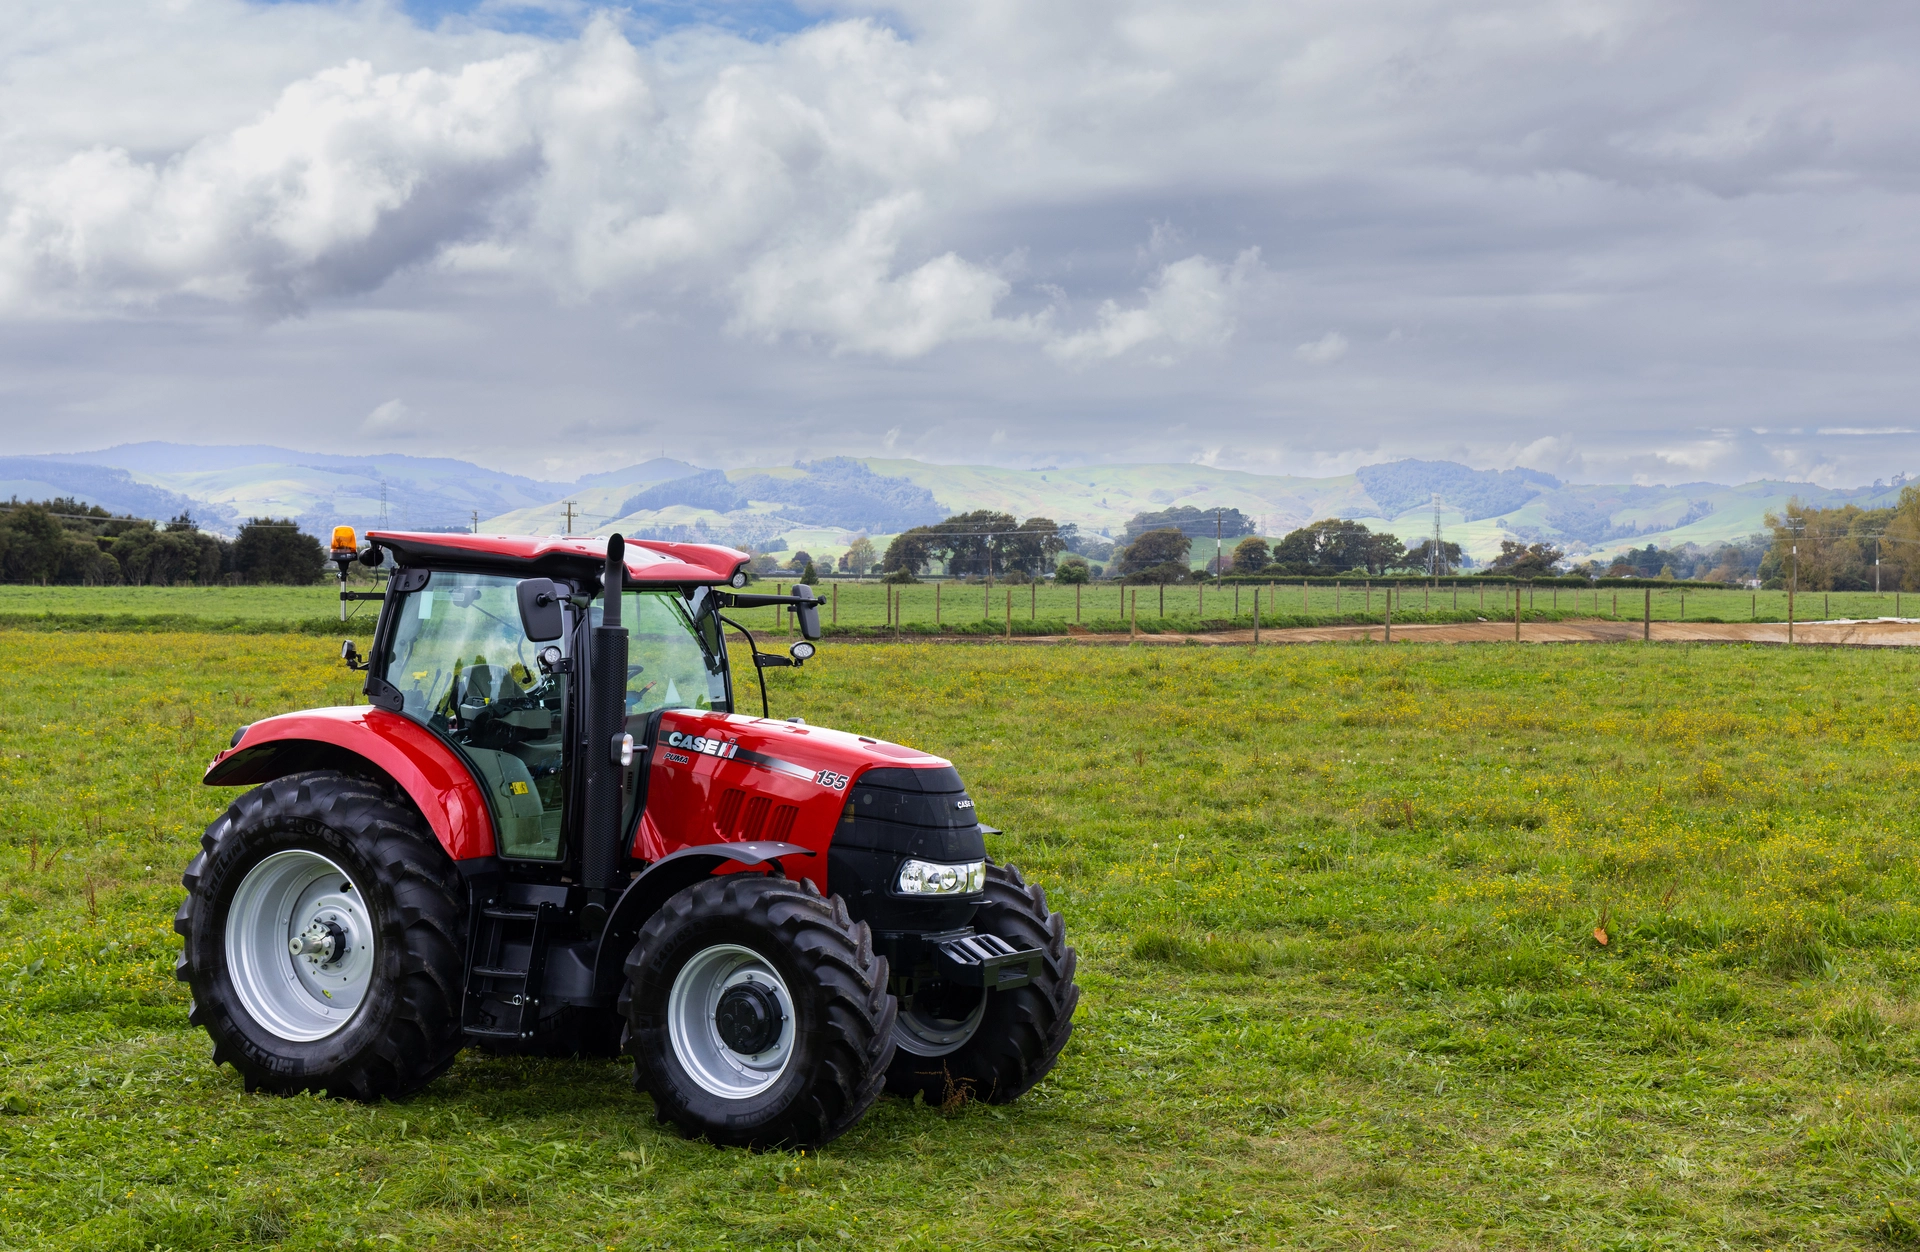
[936, 606]
[1133, 616]
[1646, 618]
[1256, 617]
[835, 593]
[1033, 609]
[1009, 612]
[1516, 614]
[1076, 603]
[1200, 600]
[1163, 602]
[1387, 637]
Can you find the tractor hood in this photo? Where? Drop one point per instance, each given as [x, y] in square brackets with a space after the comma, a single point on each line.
[735, 777]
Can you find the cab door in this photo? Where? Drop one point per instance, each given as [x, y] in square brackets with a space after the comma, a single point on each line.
[465, 669]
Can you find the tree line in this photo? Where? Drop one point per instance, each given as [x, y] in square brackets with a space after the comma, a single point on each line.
[65, 542]
[1839, 547]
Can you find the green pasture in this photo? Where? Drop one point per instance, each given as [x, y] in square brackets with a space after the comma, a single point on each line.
[871, 608]
[1339, 910]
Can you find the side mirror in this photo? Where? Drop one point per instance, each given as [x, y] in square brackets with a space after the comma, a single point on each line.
[540, 614]
[808, 611]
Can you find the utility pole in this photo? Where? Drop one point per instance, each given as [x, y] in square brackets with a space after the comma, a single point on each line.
[569, 517]
[476, 521]
[383, 504]
[1796, 525]
[1433, 553]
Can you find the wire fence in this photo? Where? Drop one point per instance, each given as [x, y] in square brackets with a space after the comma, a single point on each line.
[953, 607]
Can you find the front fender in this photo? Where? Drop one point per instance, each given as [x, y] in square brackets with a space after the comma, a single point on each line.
[661, 880]
[421, 764]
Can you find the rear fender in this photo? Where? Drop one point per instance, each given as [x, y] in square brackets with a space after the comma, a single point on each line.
[660, 881]
[417, 761]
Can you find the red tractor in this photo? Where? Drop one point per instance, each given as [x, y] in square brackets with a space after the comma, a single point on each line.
[550, 831]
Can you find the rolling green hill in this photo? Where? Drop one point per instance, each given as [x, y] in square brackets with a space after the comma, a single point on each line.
[822, 506]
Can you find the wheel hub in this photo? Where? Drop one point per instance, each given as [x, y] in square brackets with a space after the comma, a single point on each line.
[300, 945]
[748, 1018]
[730, 1020]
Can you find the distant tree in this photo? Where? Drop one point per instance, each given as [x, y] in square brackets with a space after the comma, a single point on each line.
[273, 550]
[1420, 557]
[765, 563]
[1526, 560]
[1251, 555]
[1073, 569]
[982, 542]
[31, 544]
[859, 557]
[910, 551]
[808, 575]
[1192, 522]
[1035, 544]
[1837, 547]
[800, 560]
[1336, 545]
[1159, 556]
[161, 558]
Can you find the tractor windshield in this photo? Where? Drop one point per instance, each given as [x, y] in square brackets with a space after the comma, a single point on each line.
[669, 665]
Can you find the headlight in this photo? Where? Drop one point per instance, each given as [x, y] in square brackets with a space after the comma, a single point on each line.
[924, 878]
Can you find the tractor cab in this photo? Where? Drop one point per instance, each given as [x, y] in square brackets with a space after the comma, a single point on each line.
[551, 829]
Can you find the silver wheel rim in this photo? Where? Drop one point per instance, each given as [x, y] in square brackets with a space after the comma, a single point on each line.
[299, 998]
[923, 1034]
[695, 1036]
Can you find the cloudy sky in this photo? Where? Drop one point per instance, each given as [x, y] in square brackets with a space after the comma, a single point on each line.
[1639, 239]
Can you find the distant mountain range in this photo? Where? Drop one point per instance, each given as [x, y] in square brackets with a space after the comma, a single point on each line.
[823, 505]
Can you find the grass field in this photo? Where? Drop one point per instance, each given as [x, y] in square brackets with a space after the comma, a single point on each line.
[870, 608]
[1336, 908]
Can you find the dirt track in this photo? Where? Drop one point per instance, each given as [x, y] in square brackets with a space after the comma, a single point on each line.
[1883, 633]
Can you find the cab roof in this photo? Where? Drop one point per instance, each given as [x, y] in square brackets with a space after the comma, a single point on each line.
[561, 556]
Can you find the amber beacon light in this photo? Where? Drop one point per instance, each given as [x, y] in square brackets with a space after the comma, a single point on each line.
[344, 542]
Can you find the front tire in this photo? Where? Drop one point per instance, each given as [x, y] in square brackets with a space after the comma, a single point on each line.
[992, 1045]
[758, 1015]
[323, 930]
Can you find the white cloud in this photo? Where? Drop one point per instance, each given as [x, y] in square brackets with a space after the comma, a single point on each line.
[1189, 304]
[848, 293]
[1325, 350]
[386, 418]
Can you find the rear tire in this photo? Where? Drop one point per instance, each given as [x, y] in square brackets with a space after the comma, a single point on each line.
[351, 862]
[997, 1050]
[758, 1015]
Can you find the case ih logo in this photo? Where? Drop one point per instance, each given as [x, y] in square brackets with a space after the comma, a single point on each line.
[701, 744]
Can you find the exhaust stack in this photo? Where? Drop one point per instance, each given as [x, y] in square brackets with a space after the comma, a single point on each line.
[606, 731]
